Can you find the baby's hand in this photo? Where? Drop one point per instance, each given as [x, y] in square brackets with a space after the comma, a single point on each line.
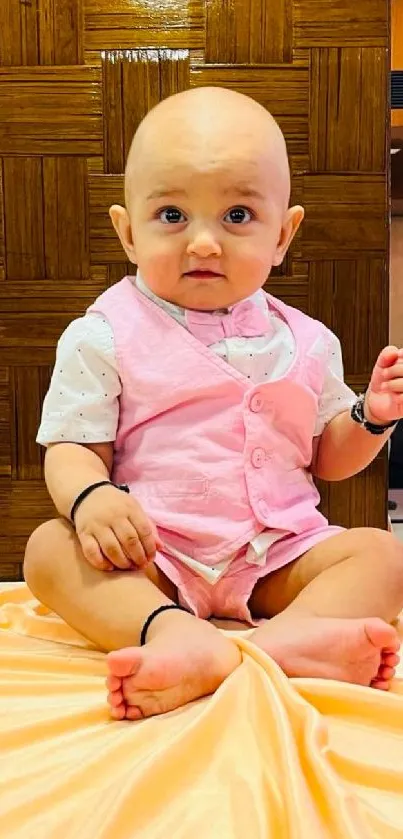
[384, 397]
[114, 531]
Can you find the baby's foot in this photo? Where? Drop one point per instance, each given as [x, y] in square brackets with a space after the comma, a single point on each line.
[186, 659]
[360, 651]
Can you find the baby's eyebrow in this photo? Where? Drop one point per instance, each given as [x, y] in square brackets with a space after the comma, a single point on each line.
[244, 190]
[164, 192]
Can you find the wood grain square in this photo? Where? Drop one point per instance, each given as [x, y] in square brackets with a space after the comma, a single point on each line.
[50, 110]
[41, 32]
[135, 24]
[104, 190]
[248, 32]
[341, 23]
[349, 89]
[344, 217]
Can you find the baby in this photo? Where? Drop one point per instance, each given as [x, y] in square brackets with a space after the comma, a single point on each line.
[187, 414]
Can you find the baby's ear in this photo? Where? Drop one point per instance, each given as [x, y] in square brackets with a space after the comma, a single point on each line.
[121, 222]
[291, 223]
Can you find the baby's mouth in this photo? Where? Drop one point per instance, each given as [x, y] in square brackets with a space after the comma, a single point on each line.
[199, 274]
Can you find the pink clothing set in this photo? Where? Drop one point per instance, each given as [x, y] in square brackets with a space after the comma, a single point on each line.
[214, 460]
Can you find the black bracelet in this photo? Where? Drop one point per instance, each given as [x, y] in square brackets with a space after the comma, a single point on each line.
[89, 489]
[358, 415]
[153, 615]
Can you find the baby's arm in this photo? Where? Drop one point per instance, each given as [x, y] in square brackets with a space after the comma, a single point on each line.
[345, 448]
[113, 530]
[70, 467]
[82, 405]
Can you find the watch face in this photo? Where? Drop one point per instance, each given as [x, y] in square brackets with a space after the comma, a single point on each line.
[357, 411]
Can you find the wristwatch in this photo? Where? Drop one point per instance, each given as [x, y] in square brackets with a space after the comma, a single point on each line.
[358, 415]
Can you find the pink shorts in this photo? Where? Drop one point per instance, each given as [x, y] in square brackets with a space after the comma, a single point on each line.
[229, 596]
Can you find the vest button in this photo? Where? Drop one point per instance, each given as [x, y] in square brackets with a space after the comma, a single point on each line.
[256, 403]
[258, 458]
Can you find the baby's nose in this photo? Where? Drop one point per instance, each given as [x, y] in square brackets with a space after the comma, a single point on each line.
[204, 243]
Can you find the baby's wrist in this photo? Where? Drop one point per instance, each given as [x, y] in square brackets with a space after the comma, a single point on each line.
[370, 416]
[88, 490]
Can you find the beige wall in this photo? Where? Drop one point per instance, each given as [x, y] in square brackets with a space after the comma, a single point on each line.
[396, 282]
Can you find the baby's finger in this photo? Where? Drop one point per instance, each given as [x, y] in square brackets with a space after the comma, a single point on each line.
[146, 534]
[129, 540]
[387, 357]
[393, 372]
[394, 386]
[93, 553]
[112, 550]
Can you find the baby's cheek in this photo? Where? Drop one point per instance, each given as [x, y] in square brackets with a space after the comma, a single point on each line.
[159, 266]
[252, 267]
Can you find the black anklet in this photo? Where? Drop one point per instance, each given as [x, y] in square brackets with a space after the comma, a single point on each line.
[154, 615]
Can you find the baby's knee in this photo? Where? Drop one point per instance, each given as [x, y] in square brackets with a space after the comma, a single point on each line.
[384, 548]
[43, 546]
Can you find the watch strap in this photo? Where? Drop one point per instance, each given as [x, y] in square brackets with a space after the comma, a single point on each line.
[358, 415]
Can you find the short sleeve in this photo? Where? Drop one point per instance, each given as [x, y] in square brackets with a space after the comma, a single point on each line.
[336, 396]
[82, 403]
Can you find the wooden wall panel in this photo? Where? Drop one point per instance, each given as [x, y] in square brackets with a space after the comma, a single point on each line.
[49, 110]
[128, 24]
[344, 217]
[5, 425]
[349, 294]
[41, 32]
[249, 32]
[349, 95]
[76, 78]
[44, 241]
[340, 23]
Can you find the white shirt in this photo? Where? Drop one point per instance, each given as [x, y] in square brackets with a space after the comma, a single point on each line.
[82, 403]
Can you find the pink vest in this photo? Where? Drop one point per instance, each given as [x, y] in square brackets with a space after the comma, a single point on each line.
[212, 459]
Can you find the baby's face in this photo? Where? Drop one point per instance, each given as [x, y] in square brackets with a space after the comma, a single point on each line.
[208, 217]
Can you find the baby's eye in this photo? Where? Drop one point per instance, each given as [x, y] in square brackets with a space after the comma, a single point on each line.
[171, 215]
[238, 215]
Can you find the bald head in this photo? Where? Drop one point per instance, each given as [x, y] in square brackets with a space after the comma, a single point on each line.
[207, 190]
[209, 129]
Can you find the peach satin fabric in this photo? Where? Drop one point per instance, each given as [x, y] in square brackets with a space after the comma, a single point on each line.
[264, 757]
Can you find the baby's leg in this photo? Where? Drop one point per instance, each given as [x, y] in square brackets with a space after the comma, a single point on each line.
[184, 657]
[333, 607]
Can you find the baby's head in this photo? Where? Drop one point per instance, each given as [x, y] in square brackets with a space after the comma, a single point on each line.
[207, 190]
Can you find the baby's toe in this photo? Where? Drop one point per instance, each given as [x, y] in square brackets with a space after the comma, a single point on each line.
[386, 673]
[133, 713]
[392, 648]
[391, 659]
[124, 662]
[380, 684]
[116, 698]
[113, 683]
[118, 713]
